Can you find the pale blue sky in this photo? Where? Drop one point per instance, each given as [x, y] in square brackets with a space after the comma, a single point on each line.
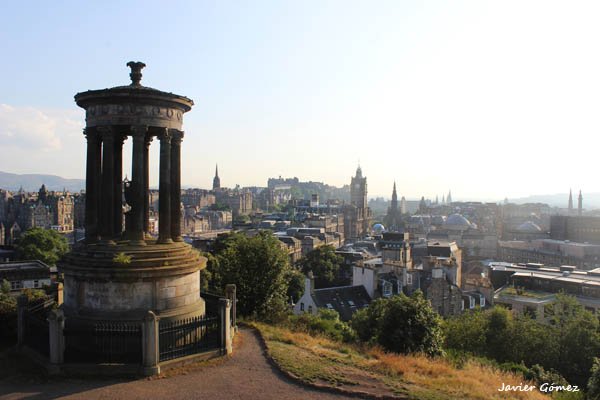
[489, 99]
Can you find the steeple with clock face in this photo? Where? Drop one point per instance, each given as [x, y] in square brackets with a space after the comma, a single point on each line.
[358, 190]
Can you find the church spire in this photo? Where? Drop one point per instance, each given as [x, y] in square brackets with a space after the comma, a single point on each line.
[216, 179]
[570, 201]
[579, 203]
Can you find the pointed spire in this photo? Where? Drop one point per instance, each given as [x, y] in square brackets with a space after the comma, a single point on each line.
[570, 206]
[579, 203]
[394, 203]
[216, 179]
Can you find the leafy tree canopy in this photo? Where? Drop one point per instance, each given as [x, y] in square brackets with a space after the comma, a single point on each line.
[45, 245]
[566, 342]
[325, 265]
[401, 324]
[260, 269]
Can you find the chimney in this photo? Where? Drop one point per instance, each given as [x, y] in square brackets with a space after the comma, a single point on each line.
[309, 283]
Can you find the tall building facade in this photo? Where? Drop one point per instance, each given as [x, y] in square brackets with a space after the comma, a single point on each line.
[357, 215]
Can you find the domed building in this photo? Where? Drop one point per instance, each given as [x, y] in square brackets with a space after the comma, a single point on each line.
[528, 230]
[378, 229]
[456, 222]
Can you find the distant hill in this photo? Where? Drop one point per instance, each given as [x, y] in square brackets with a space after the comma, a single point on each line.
[32, 182]
[561, 200]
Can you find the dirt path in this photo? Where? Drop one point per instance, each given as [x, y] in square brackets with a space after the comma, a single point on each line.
[246, 375]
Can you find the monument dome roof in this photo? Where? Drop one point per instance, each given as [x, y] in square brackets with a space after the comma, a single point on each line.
[529, 227]
[457, 220]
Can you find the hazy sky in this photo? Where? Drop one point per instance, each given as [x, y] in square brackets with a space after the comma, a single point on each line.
[489, 99]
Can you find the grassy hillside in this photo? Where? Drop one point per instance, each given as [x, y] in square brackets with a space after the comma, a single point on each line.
[320, 361]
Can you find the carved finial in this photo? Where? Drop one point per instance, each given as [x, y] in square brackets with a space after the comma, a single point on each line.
[136, 72]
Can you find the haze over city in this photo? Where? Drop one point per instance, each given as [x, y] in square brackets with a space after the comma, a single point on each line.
[488, 99]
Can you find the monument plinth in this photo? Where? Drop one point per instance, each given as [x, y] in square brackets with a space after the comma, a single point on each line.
[119, 272]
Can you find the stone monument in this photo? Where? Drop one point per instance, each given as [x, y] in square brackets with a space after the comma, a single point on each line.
[119, 272]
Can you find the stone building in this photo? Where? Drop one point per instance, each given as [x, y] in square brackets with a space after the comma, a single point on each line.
[44, 209]
[239, 201]
[197, 198]
[434, 268]
[575, 228]
[357, 215]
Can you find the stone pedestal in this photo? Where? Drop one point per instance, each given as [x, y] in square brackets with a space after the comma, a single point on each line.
[163, 278]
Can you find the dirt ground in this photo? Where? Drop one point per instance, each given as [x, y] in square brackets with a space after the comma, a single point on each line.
[245, 375]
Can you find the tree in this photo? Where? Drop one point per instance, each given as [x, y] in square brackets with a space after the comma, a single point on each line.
[411, 325]
[498, 339]
[576, 338]
[401, 324]
[593, 385]
[295, 281]
[220, 207]
[366, 321]
[260, 269]
[45, 245]
[325, 265]
[467, 332]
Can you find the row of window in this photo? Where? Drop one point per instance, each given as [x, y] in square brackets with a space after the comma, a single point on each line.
[18, 285]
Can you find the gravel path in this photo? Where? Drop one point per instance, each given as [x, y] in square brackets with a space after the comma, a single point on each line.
[246, 375]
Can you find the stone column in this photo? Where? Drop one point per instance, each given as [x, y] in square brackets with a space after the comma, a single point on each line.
[136, 235]
[164, 188]
[56, 325]
[230, 293]
[147, 142]
[150, 350]
[224, 312]
[176, 186]
[118, 182]
[107, 194]
[93, 175]
[22, 303]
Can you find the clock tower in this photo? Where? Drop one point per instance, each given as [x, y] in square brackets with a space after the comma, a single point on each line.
[358, 190]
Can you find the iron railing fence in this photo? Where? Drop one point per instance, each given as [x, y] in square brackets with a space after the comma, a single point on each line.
[188, 336]
[104, 342]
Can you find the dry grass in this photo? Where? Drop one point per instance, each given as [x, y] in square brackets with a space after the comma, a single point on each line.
[320, 360]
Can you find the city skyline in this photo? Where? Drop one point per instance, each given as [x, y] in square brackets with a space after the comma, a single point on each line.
[485, 99]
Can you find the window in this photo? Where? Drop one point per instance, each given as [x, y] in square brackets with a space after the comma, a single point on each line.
[387, 290]
[36, 284]
[310, 309]
[16, 285]
[482, 301]
[471, 302]
[409, 279]
[301, 306]
[329, 306]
